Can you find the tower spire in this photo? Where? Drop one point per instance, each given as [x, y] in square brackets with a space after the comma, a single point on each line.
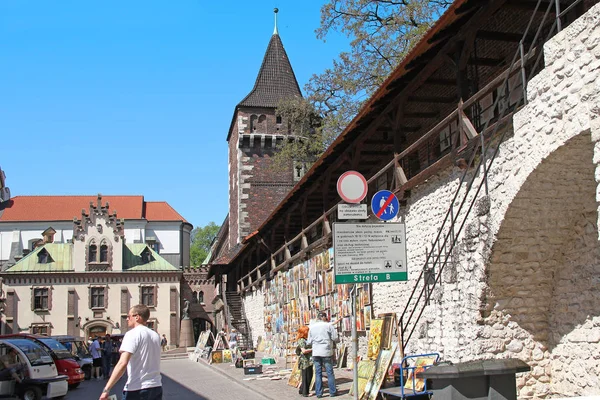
[275, 32]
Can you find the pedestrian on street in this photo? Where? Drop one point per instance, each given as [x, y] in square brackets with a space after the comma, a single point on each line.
[321, 336]
[140, 355]
[163, 342]
[96, 352]
[233, 337]
[305, 364]
[107, 353]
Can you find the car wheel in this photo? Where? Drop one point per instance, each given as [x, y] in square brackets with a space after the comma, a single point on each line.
[74, 386]
[32, 393]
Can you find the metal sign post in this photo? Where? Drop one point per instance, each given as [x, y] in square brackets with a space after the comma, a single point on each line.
[354, 346]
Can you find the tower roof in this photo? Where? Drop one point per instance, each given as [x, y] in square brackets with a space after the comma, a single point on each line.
[276, 79]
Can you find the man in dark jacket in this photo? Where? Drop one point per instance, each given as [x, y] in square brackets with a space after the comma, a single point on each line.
[107, 351]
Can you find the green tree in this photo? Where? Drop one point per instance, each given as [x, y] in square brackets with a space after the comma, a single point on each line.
[307, 142]
[202, 238]
[381, 33]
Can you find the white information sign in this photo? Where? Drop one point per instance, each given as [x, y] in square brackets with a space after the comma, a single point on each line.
[352, 211]
[369, 252]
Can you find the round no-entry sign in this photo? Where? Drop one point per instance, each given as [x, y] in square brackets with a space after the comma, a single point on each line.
[352, 187]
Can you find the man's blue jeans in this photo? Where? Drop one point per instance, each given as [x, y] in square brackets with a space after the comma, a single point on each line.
[154, 393]
[319, 362]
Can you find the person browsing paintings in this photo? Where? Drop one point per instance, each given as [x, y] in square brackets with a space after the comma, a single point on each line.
[321, 336]
[140, 355]
[305, 364]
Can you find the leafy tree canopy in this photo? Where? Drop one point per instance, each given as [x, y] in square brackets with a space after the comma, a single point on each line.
[202, 238]
[381, 34]
[305, 126]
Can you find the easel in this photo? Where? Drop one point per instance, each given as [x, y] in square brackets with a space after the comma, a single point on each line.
[220, 343]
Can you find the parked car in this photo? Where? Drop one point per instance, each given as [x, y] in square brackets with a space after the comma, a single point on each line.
[65, 363]
[38, 373]
[79, 349]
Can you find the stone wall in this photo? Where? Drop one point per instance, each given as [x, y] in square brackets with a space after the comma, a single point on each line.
[523, 281]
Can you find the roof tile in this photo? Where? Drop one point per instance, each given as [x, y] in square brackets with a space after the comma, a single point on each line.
[65, 208]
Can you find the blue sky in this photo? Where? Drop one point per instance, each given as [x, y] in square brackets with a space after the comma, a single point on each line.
[136, 97]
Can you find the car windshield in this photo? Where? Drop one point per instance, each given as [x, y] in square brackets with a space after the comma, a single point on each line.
[58, 349]
[78, 348]
[33, 351]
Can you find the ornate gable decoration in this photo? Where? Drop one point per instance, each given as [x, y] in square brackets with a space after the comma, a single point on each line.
[80, 226]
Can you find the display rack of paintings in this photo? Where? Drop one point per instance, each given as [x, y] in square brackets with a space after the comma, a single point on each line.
[294, 297]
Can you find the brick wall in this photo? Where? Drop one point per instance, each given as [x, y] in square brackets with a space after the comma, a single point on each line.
[255, 189]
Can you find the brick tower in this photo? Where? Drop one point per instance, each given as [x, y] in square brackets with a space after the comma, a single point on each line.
[254, 135]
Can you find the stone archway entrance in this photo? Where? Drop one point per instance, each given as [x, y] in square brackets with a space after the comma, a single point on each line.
[542, 304]
[96, 328]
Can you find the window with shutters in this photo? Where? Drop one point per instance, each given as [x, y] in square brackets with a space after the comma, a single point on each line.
[148, 295]
[97, 297]
[41, 299]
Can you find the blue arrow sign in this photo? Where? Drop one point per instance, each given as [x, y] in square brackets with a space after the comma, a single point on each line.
[385, 205]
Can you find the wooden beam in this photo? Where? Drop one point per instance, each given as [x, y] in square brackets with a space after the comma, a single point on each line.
[467, 127]
[399, 175]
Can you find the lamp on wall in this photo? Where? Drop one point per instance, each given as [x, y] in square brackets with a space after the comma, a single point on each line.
[117, 326]
[78, 324]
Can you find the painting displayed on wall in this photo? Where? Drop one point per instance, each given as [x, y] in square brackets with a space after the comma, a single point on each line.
[367, 313]
[295, 296]
[374, 343]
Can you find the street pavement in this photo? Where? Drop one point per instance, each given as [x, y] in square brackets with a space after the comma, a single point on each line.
[182, 380]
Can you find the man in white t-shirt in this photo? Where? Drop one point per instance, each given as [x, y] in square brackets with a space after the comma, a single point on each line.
[140, 355]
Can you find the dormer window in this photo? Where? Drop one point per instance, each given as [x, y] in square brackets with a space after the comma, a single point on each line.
[201, 297]
[44, 257]
[48, 235]
[146, 256]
